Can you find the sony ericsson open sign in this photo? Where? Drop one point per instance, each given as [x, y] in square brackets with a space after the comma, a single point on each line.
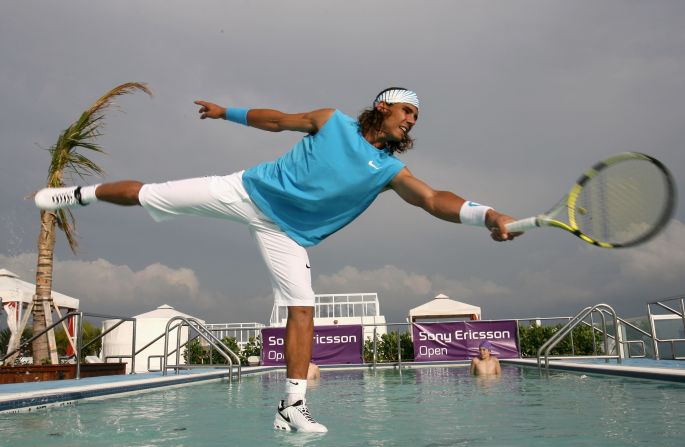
[459, 340]
[332, 344]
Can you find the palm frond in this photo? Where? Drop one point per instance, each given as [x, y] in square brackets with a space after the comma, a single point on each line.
[83, 133]
[67, 223]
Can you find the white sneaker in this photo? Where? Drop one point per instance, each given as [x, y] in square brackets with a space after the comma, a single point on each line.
[296, 417]
[51, 199]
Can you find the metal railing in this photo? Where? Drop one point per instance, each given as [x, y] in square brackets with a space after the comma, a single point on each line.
[205, 334]
[544, 350]
[79, 337]
[628, 343]
[673, 314]
[198, 327]
[374, 361]
[177, 323]
[139, 351]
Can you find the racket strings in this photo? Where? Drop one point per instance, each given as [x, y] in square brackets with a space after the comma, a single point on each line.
[623, 203]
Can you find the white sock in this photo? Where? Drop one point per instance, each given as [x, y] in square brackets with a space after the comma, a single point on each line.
[295, 390]
[88, 194]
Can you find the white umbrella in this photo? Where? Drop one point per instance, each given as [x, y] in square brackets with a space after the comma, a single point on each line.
[14, 289]
[16, 294]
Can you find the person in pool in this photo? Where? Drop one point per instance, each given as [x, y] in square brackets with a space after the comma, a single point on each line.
[485, 364]
[313, 372]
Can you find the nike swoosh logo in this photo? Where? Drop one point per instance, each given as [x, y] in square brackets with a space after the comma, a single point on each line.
[373, 165]
[474, 204]
[294, 383]
[307, 265]
[287, 419]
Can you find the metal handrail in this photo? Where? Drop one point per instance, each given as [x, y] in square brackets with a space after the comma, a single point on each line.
[206, 334]
[557, 337]
[545, 349]
[625, 342]
[216, 340]
[185, 322]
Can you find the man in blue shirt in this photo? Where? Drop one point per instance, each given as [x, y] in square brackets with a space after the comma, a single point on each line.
[323, 183]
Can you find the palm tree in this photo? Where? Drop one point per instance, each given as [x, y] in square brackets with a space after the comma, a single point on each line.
[67, 159]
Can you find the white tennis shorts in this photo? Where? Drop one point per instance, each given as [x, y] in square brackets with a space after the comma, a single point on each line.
[225, 197]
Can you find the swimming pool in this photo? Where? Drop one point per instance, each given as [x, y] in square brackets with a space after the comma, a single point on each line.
[433, 406]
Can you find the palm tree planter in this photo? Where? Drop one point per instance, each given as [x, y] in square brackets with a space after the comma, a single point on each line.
[66, 159]
[40, 373]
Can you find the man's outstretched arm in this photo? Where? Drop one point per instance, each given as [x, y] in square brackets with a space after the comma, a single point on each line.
[272, 120]
[444, 204]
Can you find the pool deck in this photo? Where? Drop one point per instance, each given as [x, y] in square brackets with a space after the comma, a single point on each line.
[674, 372]
[33, 396]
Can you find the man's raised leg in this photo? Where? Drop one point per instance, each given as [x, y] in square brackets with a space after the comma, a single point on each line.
[120, 193]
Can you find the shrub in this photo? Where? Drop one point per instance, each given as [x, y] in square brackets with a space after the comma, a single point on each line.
[532, 337]
[196, 354]
[253, 347]
[386, 347]
[90, 331]
[5, 335]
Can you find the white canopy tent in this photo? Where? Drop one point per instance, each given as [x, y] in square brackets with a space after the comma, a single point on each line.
[149, 326]
[16, 295]
[444, 307]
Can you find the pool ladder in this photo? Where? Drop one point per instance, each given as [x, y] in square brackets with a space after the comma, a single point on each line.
[207, 335]
[602, 310]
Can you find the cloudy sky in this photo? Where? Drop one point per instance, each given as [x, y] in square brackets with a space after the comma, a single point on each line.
[518, 98]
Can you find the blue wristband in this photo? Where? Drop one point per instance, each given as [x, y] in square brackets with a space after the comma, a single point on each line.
[237, 115]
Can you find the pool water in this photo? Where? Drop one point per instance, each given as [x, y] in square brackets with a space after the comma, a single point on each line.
[433, 407]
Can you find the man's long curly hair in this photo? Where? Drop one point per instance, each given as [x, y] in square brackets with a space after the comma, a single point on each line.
[371, 119]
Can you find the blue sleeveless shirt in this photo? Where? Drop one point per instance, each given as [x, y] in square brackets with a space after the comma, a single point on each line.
[323, 183]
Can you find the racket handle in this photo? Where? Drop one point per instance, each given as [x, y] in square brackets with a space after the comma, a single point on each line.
[522, 225]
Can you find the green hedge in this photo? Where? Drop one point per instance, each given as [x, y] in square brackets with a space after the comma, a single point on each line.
[532, 337]
[196, 354]
[386, 347]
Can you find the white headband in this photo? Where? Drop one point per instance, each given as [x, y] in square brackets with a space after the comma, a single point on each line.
[398, 95]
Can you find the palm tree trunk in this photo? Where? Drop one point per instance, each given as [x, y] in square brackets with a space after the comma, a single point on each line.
[66, 158]
[44, 348]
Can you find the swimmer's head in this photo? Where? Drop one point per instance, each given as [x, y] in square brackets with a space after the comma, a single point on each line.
[485, 345]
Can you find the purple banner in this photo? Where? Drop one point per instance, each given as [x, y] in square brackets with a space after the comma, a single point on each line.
[459, 340]
[332, 344]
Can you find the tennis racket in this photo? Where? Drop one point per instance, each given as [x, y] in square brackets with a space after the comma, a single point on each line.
[622, 201]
